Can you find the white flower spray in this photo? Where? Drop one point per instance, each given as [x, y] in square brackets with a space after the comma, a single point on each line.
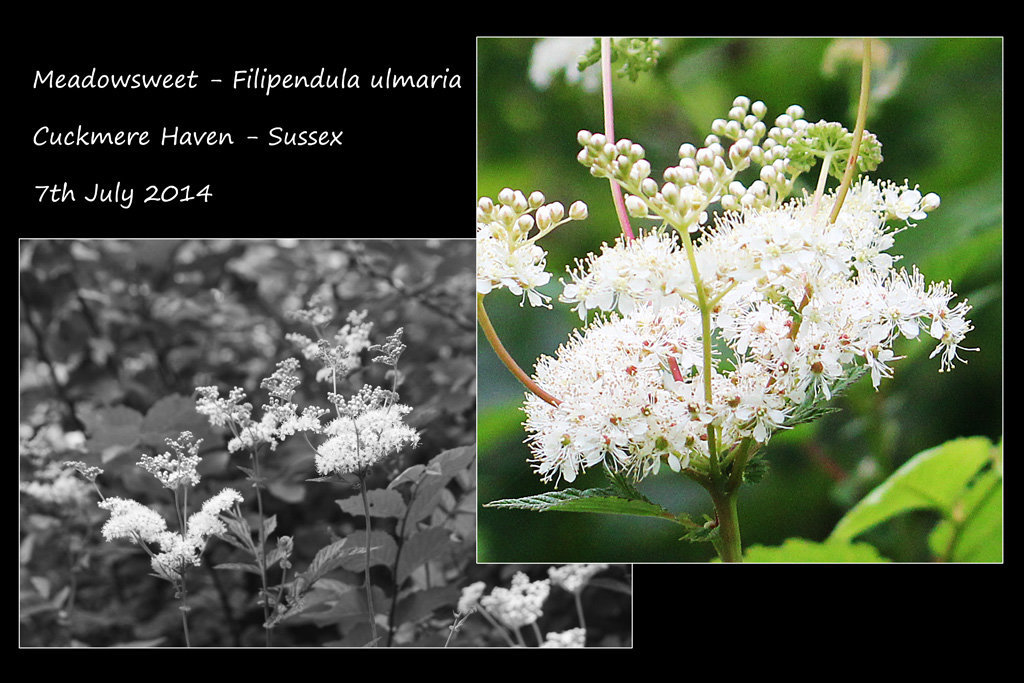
[510, 609]
[713, 331]
[170, 552]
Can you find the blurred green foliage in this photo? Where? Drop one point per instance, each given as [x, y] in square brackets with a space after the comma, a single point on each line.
[937, 110]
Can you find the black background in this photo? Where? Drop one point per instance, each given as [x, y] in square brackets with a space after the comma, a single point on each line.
[405, 166]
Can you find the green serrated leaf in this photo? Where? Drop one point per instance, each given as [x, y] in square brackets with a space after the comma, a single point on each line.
[600, 501]
[382, 503]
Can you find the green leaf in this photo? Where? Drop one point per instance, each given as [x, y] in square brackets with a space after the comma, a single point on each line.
[420, 548]
[591, 500]
[975, 534]
[383, 550]
[112, 430]
[933, 479]
[170, 416]
[801, 550]
[382, 503]
[422, 604]
[240, 567]
[330, 557]
[431, 481]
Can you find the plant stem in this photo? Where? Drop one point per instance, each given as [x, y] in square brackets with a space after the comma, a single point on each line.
[369, 586]
[728, 545]
[858, 131]
[609, 132]
[184, 608]
[506, 358]
[261, 557]
[579, 609]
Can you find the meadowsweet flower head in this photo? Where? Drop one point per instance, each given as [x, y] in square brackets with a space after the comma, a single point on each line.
[470, 597]
[221, 412]
[520, 604]
[507, 253]
[61, 490]
[573, 577]
[797, 304]
[131, 519]
[177, 468]
[574, 637]
[357, 442]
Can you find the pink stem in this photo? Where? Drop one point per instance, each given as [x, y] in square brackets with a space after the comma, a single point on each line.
[609, 132]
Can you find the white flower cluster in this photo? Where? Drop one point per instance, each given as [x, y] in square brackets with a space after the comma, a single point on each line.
[792, 305]
[574, 637]
[573, 577]
[506, 234]
[520, 604]
[133, 520]
[340, 357]
[281, 418]
[359, 441]
[177, 468]
[57, 487]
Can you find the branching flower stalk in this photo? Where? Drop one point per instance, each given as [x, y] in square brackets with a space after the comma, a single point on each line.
[130, 519]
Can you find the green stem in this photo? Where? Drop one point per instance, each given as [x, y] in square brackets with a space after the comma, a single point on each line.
[261, 557]
[369, 586]
[579, 609]
[184, 608]
[728, 544]
[858, 131]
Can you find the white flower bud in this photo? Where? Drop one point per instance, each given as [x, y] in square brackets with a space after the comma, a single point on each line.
[578, 211]
[486, 205]
[717, 127]
[759, 109]
[597, 141]
[729, 203]
[736, 188]
[930, 202]
[769, 174]
[525, 224]
[704, 156]
[636, 152]
[737, 113]
[536, 199]
[670, 192]
[623, 145]
[543, 218]
[519, 202]
[557, 211]
[636, 206]
[583, 137]
[687, 151]
[649, 187]
[506, 215]
[795, 111]
[641, 169]
[742, 102]
[506, 196]
[707, 180]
